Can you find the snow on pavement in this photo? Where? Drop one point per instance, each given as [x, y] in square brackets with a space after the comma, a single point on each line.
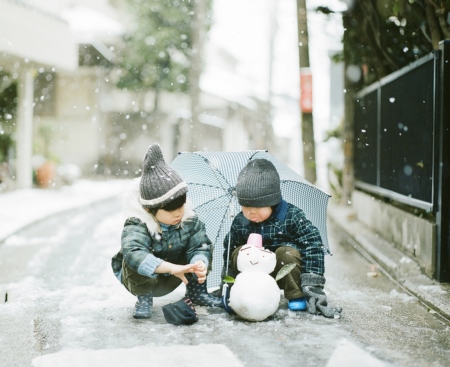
[21, 208]
[203, 355]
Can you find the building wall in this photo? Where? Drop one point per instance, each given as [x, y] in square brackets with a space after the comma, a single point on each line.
[98, 125]
[75, 123]
[413, 235]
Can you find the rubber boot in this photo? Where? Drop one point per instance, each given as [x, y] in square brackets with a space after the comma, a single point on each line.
[198, 293]
[143, 307]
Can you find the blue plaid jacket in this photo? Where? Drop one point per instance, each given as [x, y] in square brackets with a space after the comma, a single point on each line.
[287, 226]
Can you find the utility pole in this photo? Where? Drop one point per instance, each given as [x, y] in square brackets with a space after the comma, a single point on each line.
[189, 130]
[198, 41]
[269, 138]
[309, 154]
[24, 139]
[348, 138]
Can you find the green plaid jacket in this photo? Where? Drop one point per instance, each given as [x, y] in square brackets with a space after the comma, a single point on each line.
[180, 244]
[287, 226]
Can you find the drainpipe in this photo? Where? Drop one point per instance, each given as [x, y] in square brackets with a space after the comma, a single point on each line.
[443, 195]
[24, 134]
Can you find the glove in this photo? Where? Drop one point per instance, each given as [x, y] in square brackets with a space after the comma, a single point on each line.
[312, 287]
[180, 313]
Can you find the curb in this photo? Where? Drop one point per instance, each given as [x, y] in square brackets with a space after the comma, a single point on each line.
[391, 261]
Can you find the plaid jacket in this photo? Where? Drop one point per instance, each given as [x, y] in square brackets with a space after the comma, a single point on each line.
[287, 226]
[145, 245]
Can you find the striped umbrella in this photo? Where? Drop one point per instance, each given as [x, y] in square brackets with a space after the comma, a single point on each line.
[211, 178]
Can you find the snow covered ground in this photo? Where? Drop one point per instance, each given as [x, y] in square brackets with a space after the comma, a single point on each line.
[65, 307]
[20, 208]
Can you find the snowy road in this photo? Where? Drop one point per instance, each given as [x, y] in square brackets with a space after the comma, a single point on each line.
[65, 308]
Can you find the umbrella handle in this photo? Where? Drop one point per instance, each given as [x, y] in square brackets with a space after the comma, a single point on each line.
[231, 209]
[228, 253]
[225, 297]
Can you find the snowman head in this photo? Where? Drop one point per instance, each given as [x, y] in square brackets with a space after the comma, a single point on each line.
[252, 258]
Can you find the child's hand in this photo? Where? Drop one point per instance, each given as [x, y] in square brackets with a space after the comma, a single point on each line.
[200, 270]
[180, 270]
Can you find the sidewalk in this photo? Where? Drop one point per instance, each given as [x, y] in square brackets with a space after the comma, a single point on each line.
[391, 261]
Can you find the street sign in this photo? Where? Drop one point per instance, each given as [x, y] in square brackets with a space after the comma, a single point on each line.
[306, 105]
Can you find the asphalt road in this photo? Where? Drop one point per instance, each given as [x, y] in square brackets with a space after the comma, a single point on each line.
[61, 302]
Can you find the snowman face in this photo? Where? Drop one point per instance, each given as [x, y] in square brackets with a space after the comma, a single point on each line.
[252, 258]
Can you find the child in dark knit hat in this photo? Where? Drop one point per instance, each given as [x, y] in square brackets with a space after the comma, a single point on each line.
[163, 241]
[285, 231]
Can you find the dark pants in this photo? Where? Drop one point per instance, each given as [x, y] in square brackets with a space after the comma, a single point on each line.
[289, 283]
[138, 284]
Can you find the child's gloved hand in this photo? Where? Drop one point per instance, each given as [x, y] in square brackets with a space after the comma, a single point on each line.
[200, 270]
[312, 287]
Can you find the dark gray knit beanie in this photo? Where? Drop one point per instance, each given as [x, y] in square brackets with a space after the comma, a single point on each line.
[160, 183]
[258, 184]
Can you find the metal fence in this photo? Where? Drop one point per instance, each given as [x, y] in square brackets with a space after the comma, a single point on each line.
[394, 135]
[401, 138]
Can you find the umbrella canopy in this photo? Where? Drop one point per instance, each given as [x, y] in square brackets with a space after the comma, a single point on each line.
[211, 178]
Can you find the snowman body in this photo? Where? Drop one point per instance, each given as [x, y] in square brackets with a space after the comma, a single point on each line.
[255, 295]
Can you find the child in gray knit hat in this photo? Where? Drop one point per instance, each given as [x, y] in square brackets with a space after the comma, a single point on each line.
[163, 241]
[285, 231]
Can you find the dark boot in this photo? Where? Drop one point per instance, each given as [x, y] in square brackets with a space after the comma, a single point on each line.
[198, 293]
[143, 307]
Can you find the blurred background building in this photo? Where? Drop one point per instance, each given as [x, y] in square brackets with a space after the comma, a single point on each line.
[61, 108]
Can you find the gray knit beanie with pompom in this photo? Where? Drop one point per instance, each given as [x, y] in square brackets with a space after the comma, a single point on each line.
[160, 183]
[258, 184]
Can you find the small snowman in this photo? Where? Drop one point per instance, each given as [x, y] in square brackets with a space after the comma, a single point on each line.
[255, 295]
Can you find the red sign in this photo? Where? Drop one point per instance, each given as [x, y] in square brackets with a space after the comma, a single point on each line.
[306, 102]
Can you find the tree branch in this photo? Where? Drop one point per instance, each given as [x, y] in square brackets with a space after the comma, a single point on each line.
[433, 24]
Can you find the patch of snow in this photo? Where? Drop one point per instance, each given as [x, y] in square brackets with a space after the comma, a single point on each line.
[433, 289]
[348, 354]
[203, 355]
[403, 296]
[405, 260]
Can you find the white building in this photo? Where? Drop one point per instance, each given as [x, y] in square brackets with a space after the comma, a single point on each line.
[25, 51]
[77, 116]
